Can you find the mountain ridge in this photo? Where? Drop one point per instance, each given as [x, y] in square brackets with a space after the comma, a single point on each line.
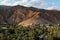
[22, 15]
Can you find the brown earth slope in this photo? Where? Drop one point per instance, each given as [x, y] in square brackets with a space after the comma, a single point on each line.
[28, 15]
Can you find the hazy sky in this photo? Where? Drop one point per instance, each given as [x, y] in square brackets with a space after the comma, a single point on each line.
[46, 4]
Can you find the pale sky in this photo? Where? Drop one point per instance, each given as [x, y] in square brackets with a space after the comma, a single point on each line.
[45, 4]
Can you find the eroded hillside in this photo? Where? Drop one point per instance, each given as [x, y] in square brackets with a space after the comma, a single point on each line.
[28, 15]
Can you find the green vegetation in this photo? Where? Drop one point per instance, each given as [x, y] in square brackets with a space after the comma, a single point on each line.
[14, 32]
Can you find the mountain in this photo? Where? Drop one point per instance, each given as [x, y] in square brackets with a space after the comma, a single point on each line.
[4, 7]
[28, 15]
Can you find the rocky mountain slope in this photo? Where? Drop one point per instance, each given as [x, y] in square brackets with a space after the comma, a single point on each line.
[28, 15]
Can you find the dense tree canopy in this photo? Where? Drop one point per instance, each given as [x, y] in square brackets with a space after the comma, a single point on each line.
[14, 32]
